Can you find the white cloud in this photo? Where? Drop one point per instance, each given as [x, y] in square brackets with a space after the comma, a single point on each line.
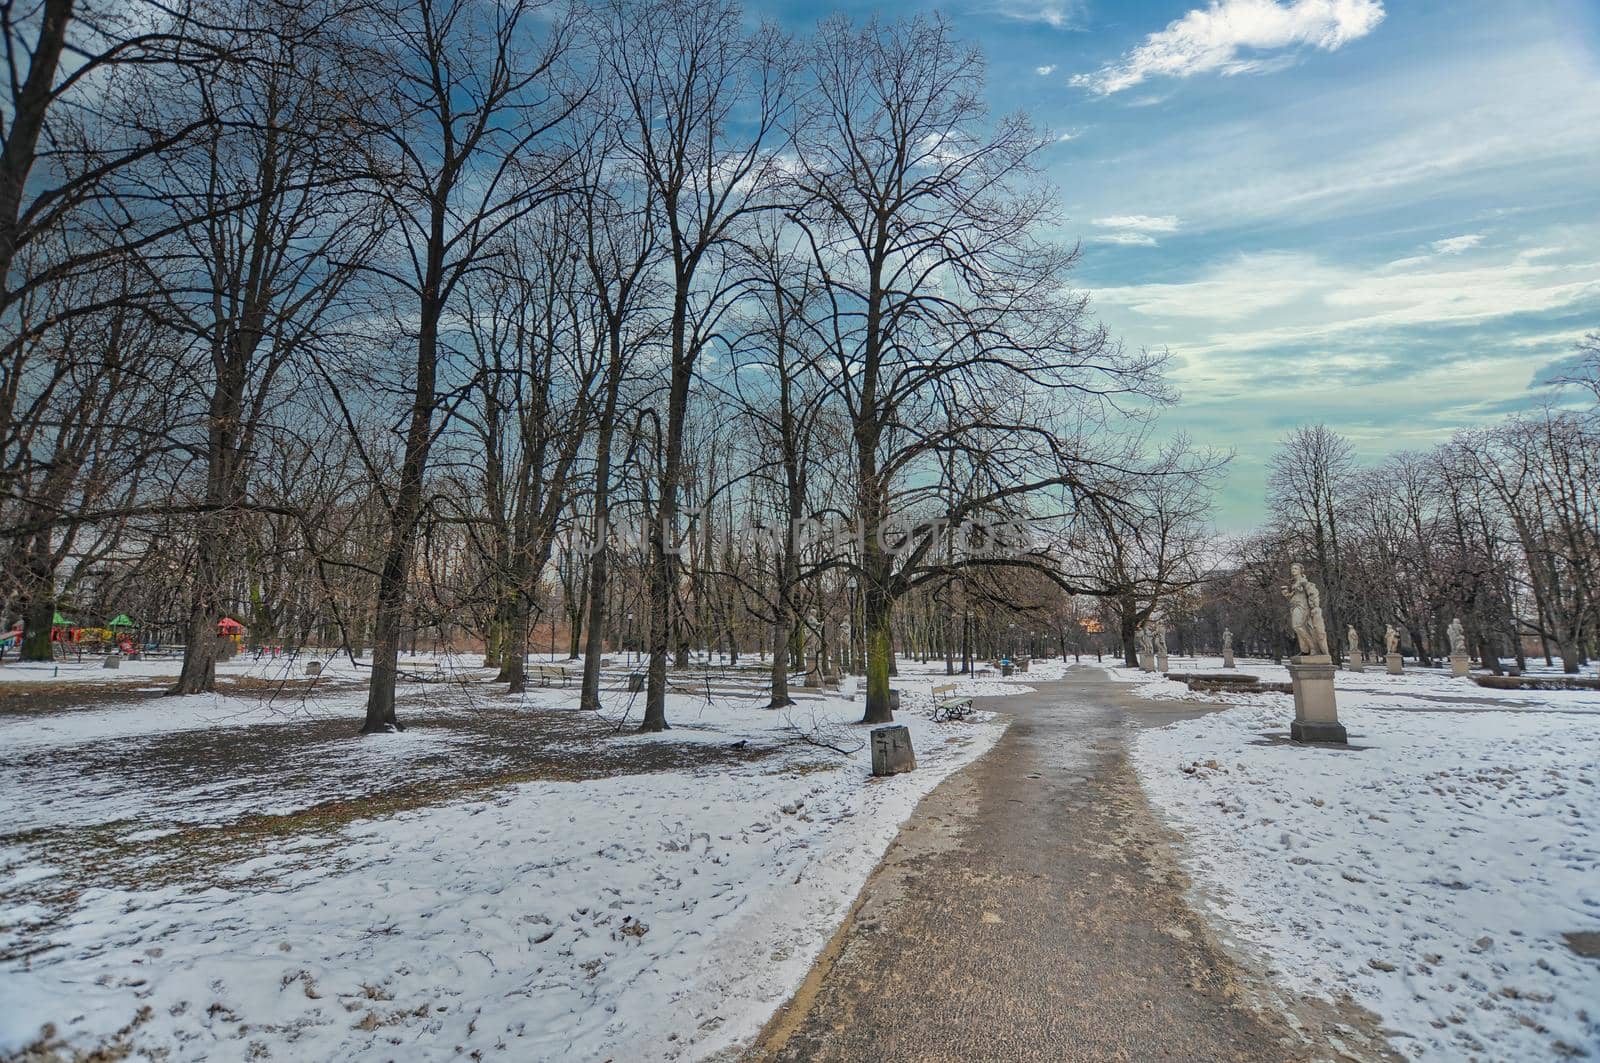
[1258, 301]
[1166, 223]
[1211, 39]
[1128, 239]
[1454, 245]
[1133, 230]
[1057, 14]
[1062, 138]
[1045, 71]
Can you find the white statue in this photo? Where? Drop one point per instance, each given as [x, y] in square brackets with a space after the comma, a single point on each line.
[1144, 641]
[1161, 641]
[1391, 638]
[1305, 613]
[1227, 640]
[1353, 640]
[1458, 639]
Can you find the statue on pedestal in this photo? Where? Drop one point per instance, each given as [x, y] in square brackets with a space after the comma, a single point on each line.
[1227, 640]
[1305, 613]
[1161, 642]
[1458, 638]
[1353, 641]
[1391, 638]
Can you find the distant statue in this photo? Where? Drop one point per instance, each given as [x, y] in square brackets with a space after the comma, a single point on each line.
[1353, 640]
[1227, 640]
[1161, 641]
[1305, 613]
[1391, 638]
[1458, 638]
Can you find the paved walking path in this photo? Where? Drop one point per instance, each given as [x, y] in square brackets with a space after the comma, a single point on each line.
[1032, 909]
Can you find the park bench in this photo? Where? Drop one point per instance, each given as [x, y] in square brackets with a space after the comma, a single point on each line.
[947, 705]
[420, 671]
[546, 672]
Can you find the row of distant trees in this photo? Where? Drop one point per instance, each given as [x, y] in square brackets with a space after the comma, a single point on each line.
[1500, 527]
[376, 320]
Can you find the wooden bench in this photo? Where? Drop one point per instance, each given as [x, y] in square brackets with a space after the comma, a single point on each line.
[947, 705]
[420, 671]
[546, 672]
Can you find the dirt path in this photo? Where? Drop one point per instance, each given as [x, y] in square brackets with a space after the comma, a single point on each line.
[1032, 909]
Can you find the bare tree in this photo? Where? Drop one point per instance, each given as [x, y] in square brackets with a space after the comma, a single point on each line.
[952, 330]
[478, 88]
[704, 100]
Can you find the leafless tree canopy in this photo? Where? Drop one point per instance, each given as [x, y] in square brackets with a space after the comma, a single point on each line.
[640, 327]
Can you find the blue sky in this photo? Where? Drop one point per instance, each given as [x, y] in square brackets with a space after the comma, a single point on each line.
[1380, 214]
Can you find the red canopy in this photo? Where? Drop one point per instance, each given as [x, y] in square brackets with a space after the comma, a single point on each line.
[229, 626]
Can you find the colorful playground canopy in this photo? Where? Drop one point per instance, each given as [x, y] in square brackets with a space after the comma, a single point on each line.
[60, 621]
[229, 626]
[120, 620]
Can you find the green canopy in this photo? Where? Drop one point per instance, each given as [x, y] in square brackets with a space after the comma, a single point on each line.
[121, 620]
[61, 621]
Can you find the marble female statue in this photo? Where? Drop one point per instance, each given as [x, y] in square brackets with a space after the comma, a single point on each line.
[1227, 640]
[1352, 640]
[1458, 638]
[1391, 638]
[1305, 613]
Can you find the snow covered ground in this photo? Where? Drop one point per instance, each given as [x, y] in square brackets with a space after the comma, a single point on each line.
[649, 912]
[1431, 871]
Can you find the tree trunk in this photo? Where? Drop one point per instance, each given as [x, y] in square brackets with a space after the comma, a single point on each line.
[879, 621]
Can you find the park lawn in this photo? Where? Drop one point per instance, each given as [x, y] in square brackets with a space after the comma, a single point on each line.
[1432, 872]
[238, 876]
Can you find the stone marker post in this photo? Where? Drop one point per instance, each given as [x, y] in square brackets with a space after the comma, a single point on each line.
[1316, 713]
[891, 750]
[1227, 648]
[313, 668]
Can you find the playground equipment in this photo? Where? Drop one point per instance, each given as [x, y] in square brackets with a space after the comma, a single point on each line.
[121, 628]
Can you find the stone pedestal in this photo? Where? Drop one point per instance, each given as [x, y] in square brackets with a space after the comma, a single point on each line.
[1161, 664]
[1353, 664]
[1227, 659]
[1393, 661]
[891, 750]
[113, 661]
[1316, 716]
[1460, 666]
[313, 668]
[1147, 662]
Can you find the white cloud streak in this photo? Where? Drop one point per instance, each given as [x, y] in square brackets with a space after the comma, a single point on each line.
[1216, 39]
[1133, 230]
[1454, 245]
[1057, 14]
